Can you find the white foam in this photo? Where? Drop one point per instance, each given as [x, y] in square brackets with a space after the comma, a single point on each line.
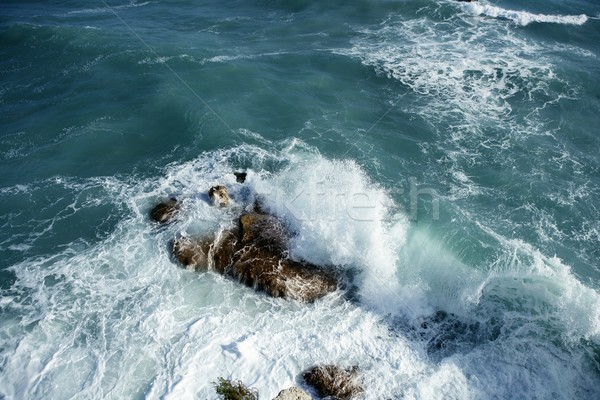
[447, 382]
[471, 74]
[117, 318]
[107, 9]
[339, 217]
[523, 18]
[556, 293]
[465, 82]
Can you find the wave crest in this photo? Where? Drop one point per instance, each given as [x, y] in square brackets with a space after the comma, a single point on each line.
[524, 18]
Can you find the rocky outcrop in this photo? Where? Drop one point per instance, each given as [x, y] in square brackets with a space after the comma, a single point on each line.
[331, 380]
[293, 393]
[255, 254]
[219, 196]
[165, 211]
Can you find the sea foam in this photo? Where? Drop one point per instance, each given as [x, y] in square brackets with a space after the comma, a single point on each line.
[117, 318]
[523, 18]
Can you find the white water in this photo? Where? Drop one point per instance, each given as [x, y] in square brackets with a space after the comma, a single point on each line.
[119, 319]
[523, 18]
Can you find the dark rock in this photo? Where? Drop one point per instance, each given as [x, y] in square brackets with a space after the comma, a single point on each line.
[466, 1]
[240, 177]
[219, 196]
[331, 380]
[259, 206]
[166, 211]
[255, 254]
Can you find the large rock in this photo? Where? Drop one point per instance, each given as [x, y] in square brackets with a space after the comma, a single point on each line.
[165, 211]
[219, 196]
[192, 253]
[293, 393]
[264, 231]
[331, 380]
[201, 254]
[255, 254]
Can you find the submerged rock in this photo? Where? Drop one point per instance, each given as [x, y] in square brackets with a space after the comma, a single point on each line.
[165, 211]
[331, 380]
[448, 333]
[255, 254]
[293, 393]
[219, 196]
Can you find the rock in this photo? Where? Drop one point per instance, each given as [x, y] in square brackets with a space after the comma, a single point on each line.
[263, 230]
[269, 272]
[192, 253]
[263, 264]
[165, 211]
[259, 205]
[331, 380]
[219, 196]
[240, 177]
[202, 254]
[293, 393]
[466, 1]
[255, 254]
[223, 251]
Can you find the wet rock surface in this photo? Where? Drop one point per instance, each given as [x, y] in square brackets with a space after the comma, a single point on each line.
[255, 254]
[219, 195]
[165, 211]
[334, 381]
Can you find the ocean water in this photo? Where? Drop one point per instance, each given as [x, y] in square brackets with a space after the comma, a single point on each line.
[444, 157]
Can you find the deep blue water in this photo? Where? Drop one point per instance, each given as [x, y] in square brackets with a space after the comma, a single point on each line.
[444, 154]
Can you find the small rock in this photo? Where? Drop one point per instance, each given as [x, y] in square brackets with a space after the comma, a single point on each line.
[240, 177]
[219, 196]
[166, 211]
[331, 380]
[293, 393]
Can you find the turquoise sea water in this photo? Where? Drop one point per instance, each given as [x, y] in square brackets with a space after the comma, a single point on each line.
[443, 156]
